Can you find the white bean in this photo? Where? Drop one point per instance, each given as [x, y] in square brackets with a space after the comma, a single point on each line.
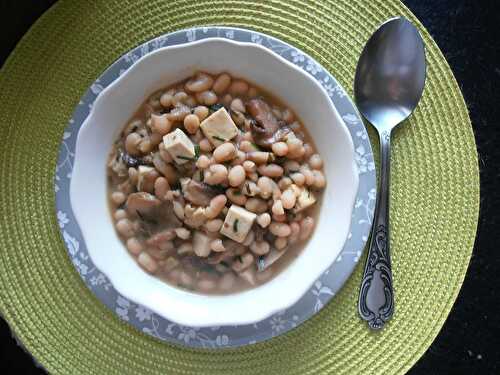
[319, 179]
[236, 197]
[256, 205]
[221, 83]
[120, 214]
[236, 176]
[178, 209]
[306, 227]
[125, 227]
[249, 166]
[216, 174]
[308, 175]
[201, 111]
[213, 225]
[191, 123]
[280, 229]
[179, 97]
[266, 186]
[160, 124]
[132, 144]
[237, 105]
[166, 99]
[284, 182]
[182, 233]
[264, 219]
[118, 197]
[260, 247]
[298, 178]
[203, 162]
[315, 161]
[238, 87]
[161, 187]
[216, 205]
[207, 97]
[147, 262]
[259, 157]
[224, 152]
[288, 198]
[134, 246]
[239, 158]
[280, 148]
[217, 246]
[205, 145]
[271, 170]
[199, 83]
[278, 208]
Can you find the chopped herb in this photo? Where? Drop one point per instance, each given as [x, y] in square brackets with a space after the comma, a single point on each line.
[255, 146]
[219, 187]
[196, 151]
[185, 157]
[261, 263]
[200, 174]
[235, 225]
[237, 192]
[224, 264]
[219, 138]
[215, 107]
[239, 258]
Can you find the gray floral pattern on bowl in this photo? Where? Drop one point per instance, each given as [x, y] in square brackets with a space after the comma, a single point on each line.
[323, 290]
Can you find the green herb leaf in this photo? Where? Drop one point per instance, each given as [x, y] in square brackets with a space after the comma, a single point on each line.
[255, 146]
[235, 225]
[239, 258]
[185, 158]
[237, 192]
[215, 107]
[196, 151]
[219, 138]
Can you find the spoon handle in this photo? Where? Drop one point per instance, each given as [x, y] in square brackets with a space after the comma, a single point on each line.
[376, 298]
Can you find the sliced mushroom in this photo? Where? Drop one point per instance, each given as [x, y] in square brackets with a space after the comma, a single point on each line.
[266, 129]
[196, 192]
[142, 202]
[264, 262]
[161, 237]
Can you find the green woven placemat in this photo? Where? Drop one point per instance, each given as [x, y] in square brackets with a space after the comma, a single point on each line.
[435, 195]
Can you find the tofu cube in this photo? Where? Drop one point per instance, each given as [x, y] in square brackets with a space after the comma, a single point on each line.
[304, 200]
[219, 127]
[237, 223]
[179, 146]
[143, 171]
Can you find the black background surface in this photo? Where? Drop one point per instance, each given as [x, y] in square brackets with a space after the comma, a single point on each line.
[467, 33]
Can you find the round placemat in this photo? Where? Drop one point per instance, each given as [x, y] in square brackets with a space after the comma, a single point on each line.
[434, 201]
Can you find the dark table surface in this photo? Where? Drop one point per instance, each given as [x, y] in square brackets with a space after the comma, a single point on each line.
[469, 342]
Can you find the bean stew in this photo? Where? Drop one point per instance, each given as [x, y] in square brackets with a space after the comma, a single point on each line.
[214, 185]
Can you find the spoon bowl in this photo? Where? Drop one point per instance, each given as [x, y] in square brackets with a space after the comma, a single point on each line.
[390, 75]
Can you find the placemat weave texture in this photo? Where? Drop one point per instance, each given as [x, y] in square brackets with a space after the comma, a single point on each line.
[434, 202]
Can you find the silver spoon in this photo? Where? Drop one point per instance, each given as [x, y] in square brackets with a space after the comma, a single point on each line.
[389, 81]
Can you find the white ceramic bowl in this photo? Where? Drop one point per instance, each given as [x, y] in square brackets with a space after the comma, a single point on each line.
[117, 103]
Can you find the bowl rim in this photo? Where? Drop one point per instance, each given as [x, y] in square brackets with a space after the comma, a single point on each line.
[260, 314]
